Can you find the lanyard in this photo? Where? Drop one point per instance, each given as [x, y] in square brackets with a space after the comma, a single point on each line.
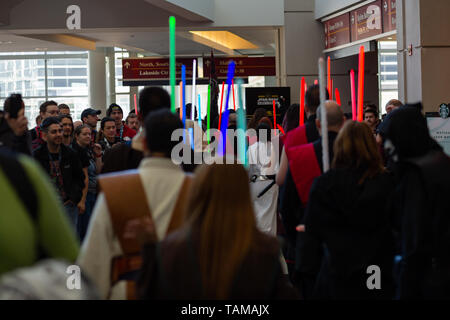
[53, 167]
[50, 156]
[121, 132]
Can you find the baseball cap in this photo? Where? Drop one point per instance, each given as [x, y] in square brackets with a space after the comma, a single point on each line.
[112, 107]
[89, 111]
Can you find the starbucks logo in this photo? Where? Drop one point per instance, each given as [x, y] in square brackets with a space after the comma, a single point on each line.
[443, 111]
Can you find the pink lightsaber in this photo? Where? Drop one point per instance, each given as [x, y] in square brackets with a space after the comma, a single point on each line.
[352, 86]
[361, 84]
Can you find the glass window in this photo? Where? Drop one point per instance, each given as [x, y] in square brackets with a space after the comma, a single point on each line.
[123, 100]
[63, 81]
[118, 56]
[15, 80]
[67, 79]
[387, 72]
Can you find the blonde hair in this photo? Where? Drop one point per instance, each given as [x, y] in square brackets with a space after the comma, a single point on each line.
[221, 213]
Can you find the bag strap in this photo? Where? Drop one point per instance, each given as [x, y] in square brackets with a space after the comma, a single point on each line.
[117, 187]
[179, 211]
[128, 185]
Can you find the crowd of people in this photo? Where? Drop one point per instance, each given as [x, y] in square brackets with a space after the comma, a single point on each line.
[106, 196]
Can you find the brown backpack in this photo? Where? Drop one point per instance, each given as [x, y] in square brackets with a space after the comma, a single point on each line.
[127, 185]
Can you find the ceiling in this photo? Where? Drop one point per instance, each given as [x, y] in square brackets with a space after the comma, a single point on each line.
[147, 41]
[19, 34]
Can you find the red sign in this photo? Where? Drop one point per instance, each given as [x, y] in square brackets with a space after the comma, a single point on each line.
[245, 66]
[389, 15]
[366, 22]
[158, 69]
[153, 68]
[337, 31]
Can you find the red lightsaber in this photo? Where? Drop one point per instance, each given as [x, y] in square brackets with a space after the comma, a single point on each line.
[338, 96]
[361, 84]
[135, 104]
[330, 92]
[232, 88]
[302, 101]
[274, 116]
[352, 86]
[221, 101]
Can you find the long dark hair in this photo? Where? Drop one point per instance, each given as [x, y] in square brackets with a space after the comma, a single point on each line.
[291, 118]
[258, 115]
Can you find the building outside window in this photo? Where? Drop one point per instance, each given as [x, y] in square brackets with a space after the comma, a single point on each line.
[388, 72]
[41, 76]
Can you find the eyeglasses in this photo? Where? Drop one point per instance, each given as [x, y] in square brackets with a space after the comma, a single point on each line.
[55, 131]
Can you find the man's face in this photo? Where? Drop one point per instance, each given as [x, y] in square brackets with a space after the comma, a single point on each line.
[370, 119]
[133, 123]
[110, 129]
[117, 116]
[390, 108]
[67, 127]
[91, 120]
[51, 111]
[64, 111]
[54, 134]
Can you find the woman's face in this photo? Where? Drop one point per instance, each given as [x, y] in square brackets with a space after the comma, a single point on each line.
[109, 130]
[84, 138]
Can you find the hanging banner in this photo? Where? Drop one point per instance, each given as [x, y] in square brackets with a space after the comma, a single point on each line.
[389, 15]
[153, 68]
[365, 22]
[245, 66]
[337, 31]
[139, 69]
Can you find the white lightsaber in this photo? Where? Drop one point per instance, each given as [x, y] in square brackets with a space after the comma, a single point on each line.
[323, 116]
[194, 70]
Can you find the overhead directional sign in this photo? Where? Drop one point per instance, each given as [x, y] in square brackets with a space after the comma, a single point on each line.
[138, 69]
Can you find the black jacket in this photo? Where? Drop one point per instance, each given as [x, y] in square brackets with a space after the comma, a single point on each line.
[9, 140]
[292, 211]
[353, 224]
[171, 271]
[291, 207]
[423, 212]
[72, 172]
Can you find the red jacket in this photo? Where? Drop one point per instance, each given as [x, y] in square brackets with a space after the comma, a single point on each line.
[126, 132]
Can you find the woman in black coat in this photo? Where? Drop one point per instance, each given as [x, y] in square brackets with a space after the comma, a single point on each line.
[422, 172]
[348, 215]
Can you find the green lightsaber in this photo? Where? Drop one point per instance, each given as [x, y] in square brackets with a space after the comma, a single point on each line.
[173, 75]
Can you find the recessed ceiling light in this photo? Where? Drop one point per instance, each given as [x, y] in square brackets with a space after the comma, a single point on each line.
[390, 38]
[226, 39]
[6, 42]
